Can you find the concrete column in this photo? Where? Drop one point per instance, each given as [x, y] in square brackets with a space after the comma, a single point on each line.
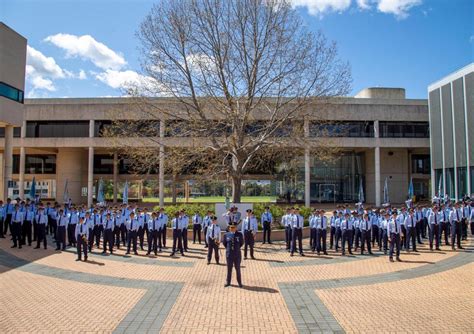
[378, 184]
[91, 128]
[161, 172]
[7, 159]
[468, 150]
[456, 191]
[90, 176]
[307, 167]
[21, 183]
[115, 176]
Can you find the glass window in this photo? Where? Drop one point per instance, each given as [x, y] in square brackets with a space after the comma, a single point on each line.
[342, 129]
[57, 129]
[16, 132]
[103, 164]
[420, 164]
[100, 126]
[11, 92]
[462, 181]
[404, 129]
[40, 164]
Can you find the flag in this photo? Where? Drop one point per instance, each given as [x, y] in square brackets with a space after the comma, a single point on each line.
[439, 185]
[361, 192]
[66, 193]
[32, 193]
[411, 192]
[100, 192]
[386, 199]
[125, 193]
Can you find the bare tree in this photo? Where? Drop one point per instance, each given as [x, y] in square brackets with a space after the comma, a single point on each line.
[242, 73]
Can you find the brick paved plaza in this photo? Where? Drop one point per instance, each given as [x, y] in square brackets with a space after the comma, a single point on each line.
[48, 291]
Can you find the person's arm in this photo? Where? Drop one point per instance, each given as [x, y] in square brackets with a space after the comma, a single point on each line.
[224, 241]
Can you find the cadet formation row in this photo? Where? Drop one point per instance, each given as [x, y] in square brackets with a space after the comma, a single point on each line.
[389, 229]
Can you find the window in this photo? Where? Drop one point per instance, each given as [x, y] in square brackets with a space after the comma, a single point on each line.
[16, 132]
[11, 92]
[57, 129]
[404, 130]
[100, 126]
[342, 129]
[35, 164]
[420, 164]
[103, 164]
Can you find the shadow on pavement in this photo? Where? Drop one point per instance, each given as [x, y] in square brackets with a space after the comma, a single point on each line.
[259, 289]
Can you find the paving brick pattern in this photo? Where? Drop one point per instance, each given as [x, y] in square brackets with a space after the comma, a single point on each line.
[141, 294]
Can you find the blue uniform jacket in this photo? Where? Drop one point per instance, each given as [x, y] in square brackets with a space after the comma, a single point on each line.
[232, 242]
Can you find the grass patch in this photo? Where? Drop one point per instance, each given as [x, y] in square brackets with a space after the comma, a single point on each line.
[214, 199]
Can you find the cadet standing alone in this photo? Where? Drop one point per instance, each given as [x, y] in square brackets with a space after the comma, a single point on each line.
[233, 241]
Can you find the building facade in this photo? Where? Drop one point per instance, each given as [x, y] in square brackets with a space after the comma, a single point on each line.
[379, 135]
[12, 86]
[451, 103]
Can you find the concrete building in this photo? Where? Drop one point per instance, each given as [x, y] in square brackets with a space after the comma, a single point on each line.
[380, 135]
[451, 110]
[12, 86]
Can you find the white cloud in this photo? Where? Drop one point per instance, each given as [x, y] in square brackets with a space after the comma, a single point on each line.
[82, 75]
[399, 8]
[86, 47]
[121, 79]
[319, 7]
[42, 65]
[364, 4]
[39, 82]
[471, 39]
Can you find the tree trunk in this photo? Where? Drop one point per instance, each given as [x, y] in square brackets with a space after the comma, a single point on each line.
[173, 190]
[236, 189]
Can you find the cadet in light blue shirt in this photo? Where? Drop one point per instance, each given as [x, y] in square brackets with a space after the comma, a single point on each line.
[249, 230]
[16, 226]
[393, 231]
[42, 221]
[197, 227]
[267, 220]
[213, 237]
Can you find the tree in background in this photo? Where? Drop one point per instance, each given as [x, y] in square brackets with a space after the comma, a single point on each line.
[240, 74]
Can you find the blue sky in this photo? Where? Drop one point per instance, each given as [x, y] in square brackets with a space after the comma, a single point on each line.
[88, 48]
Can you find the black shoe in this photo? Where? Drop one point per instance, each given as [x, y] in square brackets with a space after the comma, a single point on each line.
[126, 253]
[148, 253]
[226, 285]
[291, 254]
[302, 254]
[208, 263]
[398, 259]
[14, 246]
[85, 259]
[241, 286]
[459, 247]
[391, 259]
[136, 253]
[253, 257]
[172, 254]
[79, 259]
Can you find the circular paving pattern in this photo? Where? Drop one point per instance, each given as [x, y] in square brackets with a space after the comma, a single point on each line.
[44, 290]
